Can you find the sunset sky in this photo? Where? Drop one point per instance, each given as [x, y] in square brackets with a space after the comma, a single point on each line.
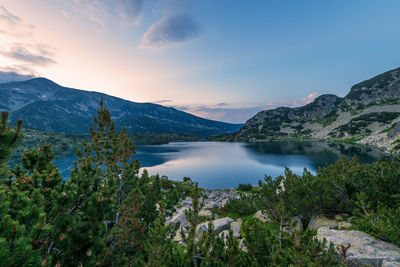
[220, 59]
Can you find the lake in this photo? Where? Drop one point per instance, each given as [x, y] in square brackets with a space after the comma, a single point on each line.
[225, 165]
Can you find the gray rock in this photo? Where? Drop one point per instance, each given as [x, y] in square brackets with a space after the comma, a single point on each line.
[180, 217]
[211, 205]
[178, 234]
[205, 213]
[219, 226]
[261, 216]
[364, 249]
[235, 227]
[242, 246]
[224, 202]
[164, 177]
[321, 221]
[187, 201]
[344, 225]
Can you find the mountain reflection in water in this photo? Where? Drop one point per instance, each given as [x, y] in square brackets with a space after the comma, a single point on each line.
[225, 165]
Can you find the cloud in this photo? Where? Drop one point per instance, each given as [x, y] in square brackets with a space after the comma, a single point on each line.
[12, 76]
[308, 99]
[164, 101]
[19, 48]
[230, 113]
[104, 11]
[37, 55]
[8, 18]
[170, 31]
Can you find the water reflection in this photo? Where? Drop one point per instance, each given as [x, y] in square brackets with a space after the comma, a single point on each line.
[224, 165]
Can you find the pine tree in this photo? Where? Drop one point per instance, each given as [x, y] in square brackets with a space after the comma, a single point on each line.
[8, 139]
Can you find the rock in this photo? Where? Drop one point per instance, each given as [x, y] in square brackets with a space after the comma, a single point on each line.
[296, 224]
[211, 205]
[235, 227]
[187, 202]
[180, 217]
[224, 202]
[281, 185]
[386, 263]
[341, 217]
[261, 216]
[321, 221]
[224, 234]
[205, 213]
[394, 131]
[242, 246]
[344, 225]
[219, 226]
[178, 236]
[364, 249]
[164, 177]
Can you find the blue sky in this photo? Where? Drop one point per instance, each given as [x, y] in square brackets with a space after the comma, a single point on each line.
[222, 59]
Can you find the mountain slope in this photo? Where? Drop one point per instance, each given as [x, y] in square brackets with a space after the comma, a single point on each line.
[368, 114]
[45, 105]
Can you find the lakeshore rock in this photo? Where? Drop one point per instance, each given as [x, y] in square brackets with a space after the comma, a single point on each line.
[364, 249]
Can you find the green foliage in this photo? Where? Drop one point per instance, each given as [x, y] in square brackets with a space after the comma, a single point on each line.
[378, 220]
[265, 248]
[238, 208]
[245, 187]
[8, 139]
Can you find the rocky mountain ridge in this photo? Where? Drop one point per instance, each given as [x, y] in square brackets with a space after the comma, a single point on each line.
[45, 105]
[369, 114]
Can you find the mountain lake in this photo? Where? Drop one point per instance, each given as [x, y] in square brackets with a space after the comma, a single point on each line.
[225, 165]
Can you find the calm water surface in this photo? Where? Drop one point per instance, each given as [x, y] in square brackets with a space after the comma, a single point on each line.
[225, 165]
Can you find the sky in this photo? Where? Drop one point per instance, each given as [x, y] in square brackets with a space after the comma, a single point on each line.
[223, 60]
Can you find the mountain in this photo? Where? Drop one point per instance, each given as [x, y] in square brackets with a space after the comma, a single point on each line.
[45, 105]
[368, 114]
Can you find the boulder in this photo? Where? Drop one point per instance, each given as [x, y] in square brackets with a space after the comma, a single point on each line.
[224, 202]
[205, 213]
[211, 205]
[321, 221]
[364, 249]
[344, 225]
[187, 201]
[180, 217]
[340, 217]
[164, 177]
[261, 216]
[235, 227]
[219, 226]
